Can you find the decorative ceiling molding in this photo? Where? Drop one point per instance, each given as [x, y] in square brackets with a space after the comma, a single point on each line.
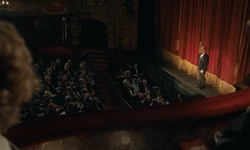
[55, 7]
[94, 3]
[37, 7]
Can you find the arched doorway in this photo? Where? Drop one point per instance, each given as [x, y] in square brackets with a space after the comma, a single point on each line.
[48, 28]
[93, 34]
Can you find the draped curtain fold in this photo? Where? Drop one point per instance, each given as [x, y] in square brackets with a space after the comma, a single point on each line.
[219, 25]
[244, 50]
[167, 23]
[190, 26]
[222, 36]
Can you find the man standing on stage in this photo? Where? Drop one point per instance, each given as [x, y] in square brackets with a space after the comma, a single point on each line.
[202, 67]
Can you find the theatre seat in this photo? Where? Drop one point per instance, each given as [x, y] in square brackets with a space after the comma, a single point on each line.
[196, 144]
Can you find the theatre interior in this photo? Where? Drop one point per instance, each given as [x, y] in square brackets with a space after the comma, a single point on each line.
[120, 74]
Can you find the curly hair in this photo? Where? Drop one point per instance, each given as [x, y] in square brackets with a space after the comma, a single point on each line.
[17, 79]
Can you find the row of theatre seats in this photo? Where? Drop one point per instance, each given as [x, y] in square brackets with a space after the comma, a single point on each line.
[57, 50]
[139, 89]
[67, 87]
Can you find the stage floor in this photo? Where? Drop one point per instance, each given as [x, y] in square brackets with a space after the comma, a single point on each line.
[184, 80]
[188, 81]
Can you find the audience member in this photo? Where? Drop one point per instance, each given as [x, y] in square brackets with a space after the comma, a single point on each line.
[17, 78]
[125, 77]
[136, 71]
[128, 92]
[72, 108]
[145, 102]
[51, 110]
[145, 88]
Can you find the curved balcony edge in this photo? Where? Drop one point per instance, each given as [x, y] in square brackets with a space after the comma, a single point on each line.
[43, 130]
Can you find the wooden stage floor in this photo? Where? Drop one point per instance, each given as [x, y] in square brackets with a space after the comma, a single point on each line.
[187, 81]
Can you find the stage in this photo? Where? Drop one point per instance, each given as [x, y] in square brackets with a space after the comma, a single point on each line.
[187, 82]
[179, 78]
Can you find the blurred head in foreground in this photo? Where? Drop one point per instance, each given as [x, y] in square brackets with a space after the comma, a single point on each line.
[248, 26]
[17, 79]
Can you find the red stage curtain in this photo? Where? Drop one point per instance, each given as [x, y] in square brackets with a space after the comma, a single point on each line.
[216, 24]
[167, 23]
[243, 54]
[222, 35]
[190, 26]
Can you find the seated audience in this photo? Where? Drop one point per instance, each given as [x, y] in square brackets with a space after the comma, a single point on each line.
[65, 95]
[134, 82]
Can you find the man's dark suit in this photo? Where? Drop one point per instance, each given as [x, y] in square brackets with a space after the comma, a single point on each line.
[142, 88]
[203, 63]
[128, 94]
[136, 72]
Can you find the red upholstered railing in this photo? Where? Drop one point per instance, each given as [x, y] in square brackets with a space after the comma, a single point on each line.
[71, 125]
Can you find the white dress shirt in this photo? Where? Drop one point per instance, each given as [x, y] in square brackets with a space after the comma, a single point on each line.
[202, 55]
